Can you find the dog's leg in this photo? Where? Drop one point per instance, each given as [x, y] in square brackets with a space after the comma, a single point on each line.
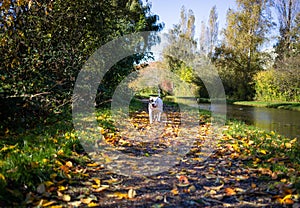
[158, 116]
[150, 116]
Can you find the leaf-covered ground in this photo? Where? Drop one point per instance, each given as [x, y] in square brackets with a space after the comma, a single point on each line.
[248, 168]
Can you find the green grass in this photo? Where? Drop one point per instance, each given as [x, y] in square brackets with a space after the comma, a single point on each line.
[280, 105]
[267, 150]
[29, 158]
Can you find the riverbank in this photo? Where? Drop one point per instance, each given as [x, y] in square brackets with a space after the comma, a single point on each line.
[295, 106]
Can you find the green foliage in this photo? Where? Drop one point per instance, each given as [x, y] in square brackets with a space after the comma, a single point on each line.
[44, 45]
[279, 85]
[239, 58]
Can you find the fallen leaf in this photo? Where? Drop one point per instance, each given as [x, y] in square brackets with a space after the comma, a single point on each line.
[57, 206]
[263, 151]
[62, 188]
[217, 188]
[192, 188]
[47, 204]
[86, 200]
[118, 195]
[131, 193]
[66, 198]
[230, 191]
[174, 191]
[92, 165]
[183, 180]
[97, 181]
[93, 204]
[48, 183]
[74, 204]
[101, 188]
[69, 164]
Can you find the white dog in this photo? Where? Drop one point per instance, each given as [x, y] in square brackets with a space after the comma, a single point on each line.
[155, 108]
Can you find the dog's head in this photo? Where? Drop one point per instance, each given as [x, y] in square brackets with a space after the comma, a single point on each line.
[153, 102]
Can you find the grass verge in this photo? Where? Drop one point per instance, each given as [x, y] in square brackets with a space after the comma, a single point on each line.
[280, 105]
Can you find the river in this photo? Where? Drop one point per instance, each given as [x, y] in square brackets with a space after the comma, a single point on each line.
[284, 122]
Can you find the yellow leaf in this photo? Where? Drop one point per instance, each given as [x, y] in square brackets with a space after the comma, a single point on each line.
[95, 186]
[175, 191]
[69, 164]
[45, 160]
[263, 151]
[287, 199]
[47, 204]
[288, 145]
[2, 177]
[60, 152]
[48, 183]
[66, 198]
[92, 165]
[58, 163]
[93, 204]
[118, 195]
[283, 180]
[61, 188]
[86, 200]
[97, 181]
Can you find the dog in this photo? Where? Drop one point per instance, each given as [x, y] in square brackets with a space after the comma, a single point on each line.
[155, 108]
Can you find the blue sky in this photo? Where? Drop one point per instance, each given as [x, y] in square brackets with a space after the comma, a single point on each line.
[169, 11]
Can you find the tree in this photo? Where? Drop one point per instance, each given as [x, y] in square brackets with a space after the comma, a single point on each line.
[239, 57]
[203, 40]
[44, 44]
[209, 34]
[287, 11]
[181, 44]
[213, 29]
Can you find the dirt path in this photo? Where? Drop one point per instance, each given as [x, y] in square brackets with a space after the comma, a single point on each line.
[222, 180]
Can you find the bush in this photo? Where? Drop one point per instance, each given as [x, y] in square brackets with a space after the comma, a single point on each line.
[277, 85]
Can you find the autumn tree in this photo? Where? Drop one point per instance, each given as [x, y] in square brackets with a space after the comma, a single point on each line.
[239, 57]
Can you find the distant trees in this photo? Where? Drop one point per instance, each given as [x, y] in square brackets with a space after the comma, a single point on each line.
[248, 71]
[287, 12]
[182, 43]
[239, 57]
[209, 33]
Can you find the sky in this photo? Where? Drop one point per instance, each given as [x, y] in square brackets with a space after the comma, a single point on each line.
[169, 11]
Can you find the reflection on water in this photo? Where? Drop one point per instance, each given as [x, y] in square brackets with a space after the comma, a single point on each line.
[282, 121]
